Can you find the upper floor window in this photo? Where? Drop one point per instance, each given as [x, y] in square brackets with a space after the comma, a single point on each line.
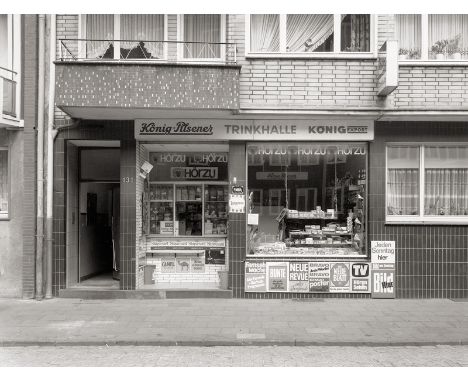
[124, 36]
[309, 33]
[201, 36]
[432, 37]
[9, 64]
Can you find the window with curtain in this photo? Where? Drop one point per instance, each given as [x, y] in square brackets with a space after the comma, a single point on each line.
[309, 33]
[408, 34]
[101, 29]
[355, 33]
[264, 33]
[147, 33]
[202, 35]
[403, 180]
[446, 180]
[4, 41]
[4, 185]
[448, 36]
[442, 186]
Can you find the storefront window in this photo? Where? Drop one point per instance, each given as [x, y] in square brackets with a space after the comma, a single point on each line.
[188, 194]
[442, 186]
[307, 199]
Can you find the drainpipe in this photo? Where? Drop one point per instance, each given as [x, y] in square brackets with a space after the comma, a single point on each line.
[51, 134]
[40, 164]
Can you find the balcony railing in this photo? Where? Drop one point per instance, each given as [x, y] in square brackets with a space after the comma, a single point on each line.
[7, 92]
[136, 50]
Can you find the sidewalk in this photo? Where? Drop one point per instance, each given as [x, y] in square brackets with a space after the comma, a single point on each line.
[233, 322]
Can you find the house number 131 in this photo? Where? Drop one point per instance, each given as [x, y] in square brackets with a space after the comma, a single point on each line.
[127, 179]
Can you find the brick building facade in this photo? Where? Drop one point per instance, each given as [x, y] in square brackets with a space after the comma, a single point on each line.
[103, 100]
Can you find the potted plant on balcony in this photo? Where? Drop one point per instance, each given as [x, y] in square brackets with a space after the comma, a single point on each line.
[454, 49]
[439, 49]
[402, 54]
[414, 54]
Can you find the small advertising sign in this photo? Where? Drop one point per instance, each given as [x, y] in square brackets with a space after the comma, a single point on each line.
[237, 190]
[183, 265]
[298, 277]
[236, 203]
[360, 277]
[339, 277]
[255, 276]
[319, 277]
[198, 265]
[168, 265]
[215, 256]
[277, 277]
[198, 173]
[383, 269]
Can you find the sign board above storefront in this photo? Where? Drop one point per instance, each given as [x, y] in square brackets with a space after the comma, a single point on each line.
[166, 130]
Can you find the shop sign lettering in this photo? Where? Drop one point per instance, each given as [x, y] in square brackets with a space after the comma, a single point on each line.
[243, 129]
[180, 173]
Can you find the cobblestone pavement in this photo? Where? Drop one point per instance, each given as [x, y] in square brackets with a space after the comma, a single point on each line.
[234, 356]
[200, 322]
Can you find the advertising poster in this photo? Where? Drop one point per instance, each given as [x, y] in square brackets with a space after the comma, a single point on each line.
[198, 265]
[298, 277]
[383, 256]
[255, 276]
[383, 281]
[319, 277]
[340, 277]
[215, 256]
[183, 265]
[360, 277]
[277, 277]
[168, 265]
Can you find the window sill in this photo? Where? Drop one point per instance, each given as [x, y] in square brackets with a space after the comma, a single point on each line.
[433, 63]
[312, 56]
[461, 221]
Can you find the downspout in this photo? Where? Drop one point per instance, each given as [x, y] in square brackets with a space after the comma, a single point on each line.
[40, 164]
[51, 134]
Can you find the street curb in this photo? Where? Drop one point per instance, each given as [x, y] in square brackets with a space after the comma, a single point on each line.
[187, 343]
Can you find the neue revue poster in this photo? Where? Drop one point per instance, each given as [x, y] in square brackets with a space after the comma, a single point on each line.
[298, 277]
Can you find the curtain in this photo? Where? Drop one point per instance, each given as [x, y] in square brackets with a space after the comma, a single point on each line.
[147, 30]
[446, 180]
[264, 33]
[355, 33]
[403, 191]
[205, 30]
[408, 34]
[100, 27]
[3, 181]
[451, 31]
[306, 33]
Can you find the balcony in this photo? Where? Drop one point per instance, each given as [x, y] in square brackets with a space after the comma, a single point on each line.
[121, 79]
[8, 102]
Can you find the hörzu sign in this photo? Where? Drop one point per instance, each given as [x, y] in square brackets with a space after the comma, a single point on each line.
[251, 130]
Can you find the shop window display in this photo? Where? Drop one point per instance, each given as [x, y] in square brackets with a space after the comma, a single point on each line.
[310, 199]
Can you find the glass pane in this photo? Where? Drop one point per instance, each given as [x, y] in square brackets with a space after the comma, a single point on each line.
[448, 36]
[355, 33]
[9, 96]
[403, 180]
[4, 182]
[408, 34]
[147, 33]
[264, 33]
[216, 209]
[189, 210]
[446, 180]
[4, 41]
[309, 33]
[310, 199]
[202, 35]
[101, 29]
[161, 209]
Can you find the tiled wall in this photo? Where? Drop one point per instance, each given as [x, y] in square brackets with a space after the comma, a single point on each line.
[97, 130]
[141, 156]
[431, 260]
